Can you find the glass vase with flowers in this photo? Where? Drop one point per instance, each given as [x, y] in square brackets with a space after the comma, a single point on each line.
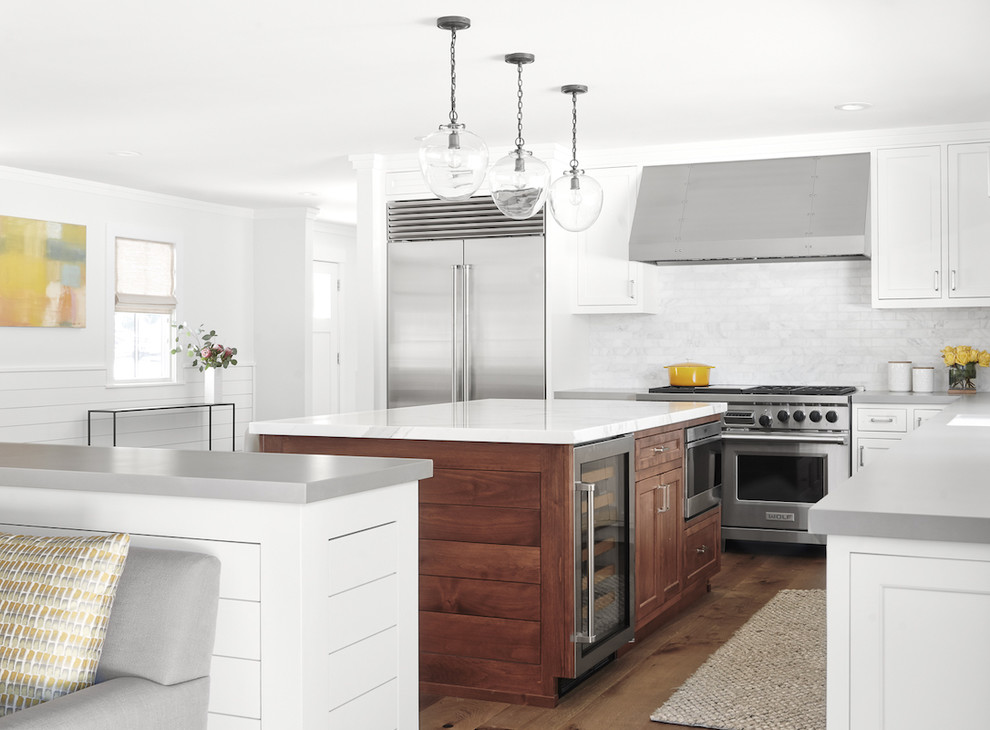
[962, 361]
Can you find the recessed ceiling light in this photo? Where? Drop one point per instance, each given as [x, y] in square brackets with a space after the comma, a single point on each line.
[126, 153]
[307, 194]
[853, 106]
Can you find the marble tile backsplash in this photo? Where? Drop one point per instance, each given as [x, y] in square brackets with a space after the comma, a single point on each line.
[785, 323]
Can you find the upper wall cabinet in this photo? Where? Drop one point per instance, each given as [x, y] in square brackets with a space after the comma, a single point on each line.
[932, 247]
[607, 281]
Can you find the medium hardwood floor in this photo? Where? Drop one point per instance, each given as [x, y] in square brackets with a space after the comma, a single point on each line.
[622, 695]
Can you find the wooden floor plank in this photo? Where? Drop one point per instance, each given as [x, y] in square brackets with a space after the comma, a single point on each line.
[624, 693]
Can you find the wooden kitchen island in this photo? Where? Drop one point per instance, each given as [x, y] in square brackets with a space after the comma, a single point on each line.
[497, 527]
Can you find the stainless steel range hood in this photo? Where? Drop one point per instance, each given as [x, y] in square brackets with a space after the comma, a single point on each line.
[789, 209]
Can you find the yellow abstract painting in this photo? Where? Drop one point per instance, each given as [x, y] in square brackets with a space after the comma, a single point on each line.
[42, 273]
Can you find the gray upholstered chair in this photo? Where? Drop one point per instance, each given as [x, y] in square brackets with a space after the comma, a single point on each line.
[154, 671]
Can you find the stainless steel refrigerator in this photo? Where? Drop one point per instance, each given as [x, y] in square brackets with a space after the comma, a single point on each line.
[466, 320]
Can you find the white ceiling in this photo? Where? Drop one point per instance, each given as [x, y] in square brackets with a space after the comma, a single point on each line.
[252, 102]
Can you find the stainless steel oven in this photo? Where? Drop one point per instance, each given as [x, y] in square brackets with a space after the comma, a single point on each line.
[604, 551]
[702, 468]
[774, 480]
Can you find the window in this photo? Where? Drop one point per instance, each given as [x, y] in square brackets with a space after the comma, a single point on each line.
[144, 310]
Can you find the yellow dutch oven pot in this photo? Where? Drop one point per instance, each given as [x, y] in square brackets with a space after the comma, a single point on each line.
[688, 373]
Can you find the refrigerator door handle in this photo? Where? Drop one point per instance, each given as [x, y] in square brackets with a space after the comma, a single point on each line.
[466, 318]
[456, 312]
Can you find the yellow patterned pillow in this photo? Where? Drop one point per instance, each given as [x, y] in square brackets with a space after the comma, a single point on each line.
[55, 598]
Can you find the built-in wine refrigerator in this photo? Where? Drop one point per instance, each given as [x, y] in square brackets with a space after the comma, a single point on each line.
[604, 553]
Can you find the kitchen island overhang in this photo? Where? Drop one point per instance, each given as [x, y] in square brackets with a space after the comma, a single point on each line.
[497, 525]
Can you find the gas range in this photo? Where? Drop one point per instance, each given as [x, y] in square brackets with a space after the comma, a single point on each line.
[783, 448]
[770, 408]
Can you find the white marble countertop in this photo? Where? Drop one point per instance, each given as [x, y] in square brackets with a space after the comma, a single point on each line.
[933, 485]
[497, 420]
[241, 476]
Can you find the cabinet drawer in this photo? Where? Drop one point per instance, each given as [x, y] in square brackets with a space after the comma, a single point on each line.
[657, 451]
[701, 548]
[890, 420]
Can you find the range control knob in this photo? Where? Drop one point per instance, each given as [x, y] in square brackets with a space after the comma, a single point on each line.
[815, 416]
[766, 420]
[782, 416]
[831, 416]
[799, 416]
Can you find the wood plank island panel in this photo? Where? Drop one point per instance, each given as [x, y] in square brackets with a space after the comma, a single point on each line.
[496, 553]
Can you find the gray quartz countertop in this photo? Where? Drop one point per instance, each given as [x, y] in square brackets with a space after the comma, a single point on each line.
[906, 399]
[240, 476]
[933, 485]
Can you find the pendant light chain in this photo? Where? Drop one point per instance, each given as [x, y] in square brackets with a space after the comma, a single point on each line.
[520, 142]
[574, 160]
[453, 76]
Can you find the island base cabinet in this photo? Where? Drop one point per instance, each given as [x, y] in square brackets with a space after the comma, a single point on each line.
[908, 635]
[675, 558]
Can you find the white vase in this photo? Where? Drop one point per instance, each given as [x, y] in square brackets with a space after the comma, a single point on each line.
[211, 386]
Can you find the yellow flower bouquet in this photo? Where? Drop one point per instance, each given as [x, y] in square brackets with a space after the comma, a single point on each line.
[962, 361]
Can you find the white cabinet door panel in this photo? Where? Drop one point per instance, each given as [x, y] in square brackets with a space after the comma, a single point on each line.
[918, 638]
[909, 223]
[969, 220]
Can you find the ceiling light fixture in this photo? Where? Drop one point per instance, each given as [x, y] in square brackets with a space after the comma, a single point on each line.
[453, 160]
[519, 181]
[575, 198]
[853, 106]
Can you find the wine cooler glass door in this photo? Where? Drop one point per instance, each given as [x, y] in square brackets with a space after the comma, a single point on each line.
[603, 545]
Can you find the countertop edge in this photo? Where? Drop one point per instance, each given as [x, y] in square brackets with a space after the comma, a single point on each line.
[141, 472]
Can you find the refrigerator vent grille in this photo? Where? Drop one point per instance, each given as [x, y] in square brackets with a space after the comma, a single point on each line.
[431, 220]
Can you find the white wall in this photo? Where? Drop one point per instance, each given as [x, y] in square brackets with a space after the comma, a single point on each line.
[778, 323]
[50, 377]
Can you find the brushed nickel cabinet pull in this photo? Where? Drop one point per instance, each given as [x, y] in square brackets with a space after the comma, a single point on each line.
[702, 549]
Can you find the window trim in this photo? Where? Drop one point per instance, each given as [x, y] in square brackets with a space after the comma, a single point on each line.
[142, 304]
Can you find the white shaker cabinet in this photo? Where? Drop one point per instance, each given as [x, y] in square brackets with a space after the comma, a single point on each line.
[877, 427]
[933, 223]
[607, 281]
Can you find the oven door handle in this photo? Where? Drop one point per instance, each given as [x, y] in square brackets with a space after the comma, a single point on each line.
[820, 438]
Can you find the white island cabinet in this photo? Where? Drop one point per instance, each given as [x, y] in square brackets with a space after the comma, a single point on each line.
[317, 621]
[909, 580]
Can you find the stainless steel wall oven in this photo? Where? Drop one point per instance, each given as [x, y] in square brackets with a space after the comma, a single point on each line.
[702, 468]
[604, 551]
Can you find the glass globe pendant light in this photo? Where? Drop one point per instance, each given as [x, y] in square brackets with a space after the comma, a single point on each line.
[575, 198]
[519, 181]
[452, 159]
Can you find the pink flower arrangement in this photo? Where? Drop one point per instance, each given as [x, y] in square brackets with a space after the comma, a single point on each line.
[204, 352]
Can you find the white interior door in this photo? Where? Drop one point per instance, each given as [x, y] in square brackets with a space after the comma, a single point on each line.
[326, 337]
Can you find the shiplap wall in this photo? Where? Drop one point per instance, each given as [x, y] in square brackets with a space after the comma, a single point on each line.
[50, 405]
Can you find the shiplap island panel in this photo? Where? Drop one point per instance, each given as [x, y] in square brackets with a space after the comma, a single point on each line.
[306, 544]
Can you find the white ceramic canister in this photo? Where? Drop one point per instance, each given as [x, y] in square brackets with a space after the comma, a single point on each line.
[923, 379]
[899, 376]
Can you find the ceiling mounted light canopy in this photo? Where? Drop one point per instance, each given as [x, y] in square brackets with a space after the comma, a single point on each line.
[575, 198]
[452, 159]
[519, 181]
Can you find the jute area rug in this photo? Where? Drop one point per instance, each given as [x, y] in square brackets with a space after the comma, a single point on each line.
[769, 676]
